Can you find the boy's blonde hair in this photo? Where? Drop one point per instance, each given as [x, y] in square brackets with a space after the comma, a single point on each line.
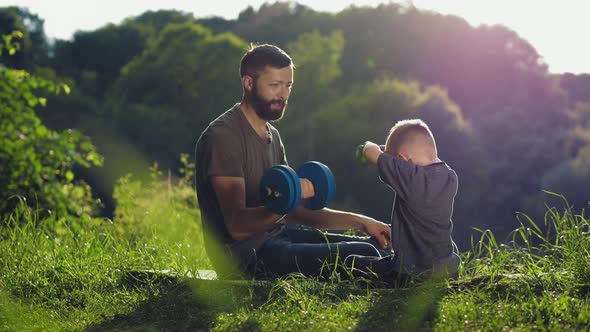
[411, 134]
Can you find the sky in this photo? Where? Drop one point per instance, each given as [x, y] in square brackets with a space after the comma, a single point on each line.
[556, 28]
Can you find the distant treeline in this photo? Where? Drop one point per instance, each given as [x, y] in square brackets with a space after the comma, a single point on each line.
[143, 90]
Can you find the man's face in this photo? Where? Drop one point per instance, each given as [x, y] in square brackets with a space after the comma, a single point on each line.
[270, 92]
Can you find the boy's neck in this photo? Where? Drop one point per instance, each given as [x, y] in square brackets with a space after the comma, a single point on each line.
[425, 161]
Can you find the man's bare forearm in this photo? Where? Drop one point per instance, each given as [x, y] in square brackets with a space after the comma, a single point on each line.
[246, 222]
[326, 219]
[341, 220]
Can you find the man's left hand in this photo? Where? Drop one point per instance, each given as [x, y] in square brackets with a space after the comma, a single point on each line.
[380, 231]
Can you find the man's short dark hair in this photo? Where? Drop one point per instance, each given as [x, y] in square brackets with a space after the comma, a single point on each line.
[260, 56]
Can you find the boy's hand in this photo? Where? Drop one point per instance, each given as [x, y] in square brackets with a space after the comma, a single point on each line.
[371, 152]
[360, 154]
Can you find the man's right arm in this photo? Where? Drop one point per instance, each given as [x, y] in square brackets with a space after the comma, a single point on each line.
[241, 221]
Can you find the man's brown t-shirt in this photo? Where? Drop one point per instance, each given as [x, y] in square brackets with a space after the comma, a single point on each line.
[229, 146]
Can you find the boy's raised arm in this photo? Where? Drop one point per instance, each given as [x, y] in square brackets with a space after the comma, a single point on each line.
[372, 152]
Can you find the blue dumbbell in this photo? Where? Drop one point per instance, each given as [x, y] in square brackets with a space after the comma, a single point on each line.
[280, 188]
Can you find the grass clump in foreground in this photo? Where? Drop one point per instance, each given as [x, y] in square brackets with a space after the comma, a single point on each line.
[537, 281]
[78, 278]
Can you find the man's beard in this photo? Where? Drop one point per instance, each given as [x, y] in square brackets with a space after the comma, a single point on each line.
[264, 108]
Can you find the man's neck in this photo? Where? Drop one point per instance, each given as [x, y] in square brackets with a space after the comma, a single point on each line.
[255, 121]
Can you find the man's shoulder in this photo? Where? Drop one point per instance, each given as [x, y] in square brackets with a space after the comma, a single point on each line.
[226, 123]
[274, 131]
[227, 118]
[224, 128]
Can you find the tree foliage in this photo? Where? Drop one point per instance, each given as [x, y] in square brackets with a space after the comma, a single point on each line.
[176, 87]
[37, 162]
[32, 46]
[317, 60]
[102, 52]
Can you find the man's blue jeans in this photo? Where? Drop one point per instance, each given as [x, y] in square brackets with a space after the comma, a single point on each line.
[309, 251]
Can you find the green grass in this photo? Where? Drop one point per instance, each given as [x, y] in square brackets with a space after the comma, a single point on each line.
[62, 274]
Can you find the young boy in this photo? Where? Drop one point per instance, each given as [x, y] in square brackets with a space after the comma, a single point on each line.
[425, 189]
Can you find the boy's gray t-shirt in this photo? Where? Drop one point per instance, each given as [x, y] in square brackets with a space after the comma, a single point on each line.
[421, 222]
[229, 146]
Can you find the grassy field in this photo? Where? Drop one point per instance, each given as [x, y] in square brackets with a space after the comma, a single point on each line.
[58, 275]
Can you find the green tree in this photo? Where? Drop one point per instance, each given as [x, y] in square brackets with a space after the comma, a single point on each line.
[33, 48]
[577, 87]
[317, 61]
[278, 23]
[37, 163]
[571, 176]
[167, 96]
[103, 52]
[158, 20]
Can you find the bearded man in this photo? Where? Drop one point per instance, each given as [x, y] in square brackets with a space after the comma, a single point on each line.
[233, 153]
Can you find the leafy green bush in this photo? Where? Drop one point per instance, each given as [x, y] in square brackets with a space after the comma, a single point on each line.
[37, 163]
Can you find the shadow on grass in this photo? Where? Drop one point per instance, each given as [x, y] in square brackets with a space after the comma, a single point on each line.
[404, 309]
[186, 305]
[195, 304]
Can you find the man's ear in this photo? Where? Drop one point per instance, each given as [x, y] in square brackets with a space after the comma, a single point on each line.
[248, 82]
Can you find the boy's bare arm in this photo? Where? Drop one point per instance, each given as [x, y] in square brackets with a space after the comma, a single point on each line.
[372, 152]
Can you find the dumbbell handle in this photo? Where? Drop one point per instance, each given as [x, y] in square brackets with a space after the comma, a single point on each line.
[281, 187]
[360, 154]
[274, 193]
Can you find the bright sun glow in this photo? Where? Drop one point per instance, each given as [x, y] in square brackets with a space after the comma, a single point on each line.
[557, 29]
